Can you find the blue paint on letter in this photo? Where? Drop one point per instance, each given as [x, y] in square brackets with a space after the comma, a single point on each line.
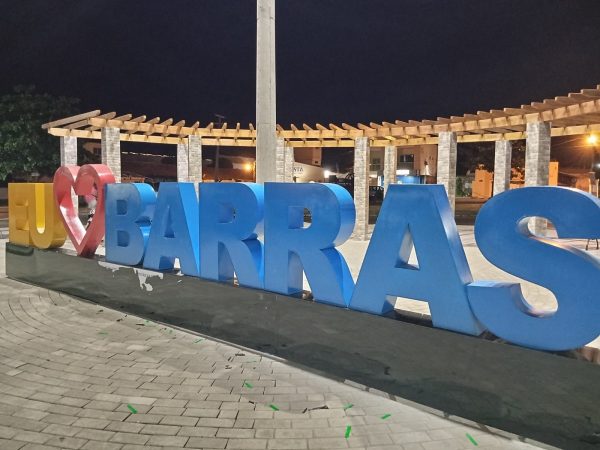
[174, 230]
[231, 215]
[129, 211]
[571, 274]
[419, 214]
[290, 248]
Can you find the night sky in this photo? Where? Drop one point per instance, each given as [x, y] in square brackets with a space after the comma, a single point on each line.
[337, 60]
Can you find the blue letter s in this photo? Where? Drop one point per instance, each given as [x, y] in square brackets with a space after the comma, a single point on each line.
[571, 274]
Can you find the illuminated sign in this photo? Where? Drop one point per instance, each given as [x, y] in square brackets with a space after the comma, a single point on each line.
[257, 233]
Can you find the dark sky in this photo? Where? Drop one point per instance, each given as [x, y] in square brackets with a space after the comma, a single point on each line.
[337, 60]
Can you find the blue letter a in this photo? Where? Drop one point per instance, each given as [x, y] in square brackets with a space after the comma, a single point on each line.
[174, 231]
[419, 214]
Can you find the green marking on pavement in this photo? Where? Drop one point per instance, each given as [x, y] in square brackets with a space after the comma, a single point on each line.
[132, 409]
[102, 332]
[348, 431]
[385, 416]
[248, 385]
[274, 408]
[473, 441]
[198, 340]
[348, 406]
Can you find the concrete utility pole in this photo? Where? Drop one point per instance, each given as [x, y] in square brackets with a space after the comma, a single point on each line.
[266, 140]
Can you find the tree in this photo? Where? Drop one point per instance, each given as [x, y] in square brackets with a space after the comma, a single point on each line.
[518, 157]
[473, 155]
[24, 147]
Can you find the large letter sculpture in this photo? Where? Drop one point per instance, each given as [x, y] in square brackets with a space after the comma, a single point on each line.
[129, 213]
[419, 214]
[83, 181]
[174, 230]
[571, 274]
[33, 217]
[231, 215]
[290, 248]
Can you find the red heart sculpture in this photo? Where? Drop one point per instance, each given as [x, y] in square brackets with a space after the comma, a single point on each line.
[82, 181]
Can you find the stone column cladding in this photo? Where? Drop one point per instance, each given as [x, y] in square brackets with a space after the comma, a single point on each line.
[183, 166]
[362, 158]
[446, 168]
[280, 160]
[266, 139]
[537, 162]
[289, 164]
[68, 151]
[68, 157]
[390, 164]
[111, 150]
[502, 165]
[194, 156]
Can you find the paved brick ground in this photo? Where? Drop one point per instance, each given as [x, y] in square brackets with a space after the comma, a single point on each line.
[76, 375]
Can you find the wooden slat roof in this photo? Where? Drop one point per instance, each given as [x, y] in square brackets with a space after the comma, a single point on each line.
[575, 113]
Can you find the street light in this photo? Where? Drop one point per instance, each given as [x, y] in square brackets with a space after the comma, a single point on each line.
[251, 167]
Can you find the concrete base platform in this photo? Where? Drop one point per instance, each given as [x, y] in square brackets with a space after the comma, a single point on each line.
[547, 397]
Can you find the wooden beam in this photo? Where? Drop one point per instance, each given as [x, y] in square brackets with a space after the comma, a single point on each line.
[563, 112]
[81, 123]
[335, 142]
[66, 120]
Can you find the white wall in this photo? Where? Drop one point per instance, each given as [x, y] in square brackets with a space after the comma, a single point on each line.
[303, 173]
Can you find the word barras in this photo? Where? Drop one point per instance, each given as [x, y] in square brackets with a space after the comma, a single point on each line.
[217, 237]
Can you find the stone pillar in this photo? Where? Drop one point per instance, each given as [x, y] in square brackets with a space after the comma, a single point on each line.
[183, 166]
[502, 165]
[195, 160]
[446, 168]
[111, 150]
[362, 159]
[390, 165]
[537, 162]
[68, 151]
[289, 164]
[68, 157]
[279, 159]
[266, 138]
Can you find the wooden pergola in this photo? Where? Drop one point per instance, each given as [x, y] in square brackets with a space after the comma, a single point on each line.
[573, 114]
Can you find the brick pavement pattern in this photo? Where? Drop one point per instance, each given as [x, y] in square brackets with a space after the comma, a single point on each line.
[79, 376]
